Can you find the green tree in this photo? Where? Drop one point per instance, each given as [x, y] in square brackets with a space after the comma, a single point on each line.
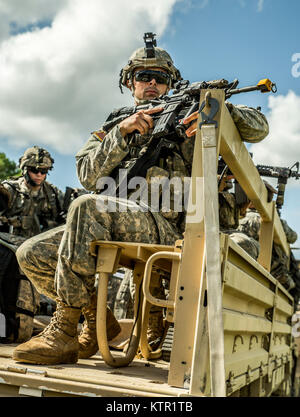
[7, 168]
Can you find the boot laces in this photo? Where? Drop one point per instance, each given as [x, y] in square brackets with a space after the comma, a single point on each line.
[56, 323]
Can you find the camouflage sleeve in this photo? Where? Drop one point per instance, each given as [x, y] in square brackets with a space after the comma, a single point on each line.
[60, 195]
[99, 156]
[251, 123]
[291, 235]
[6, 193]
[228, 213]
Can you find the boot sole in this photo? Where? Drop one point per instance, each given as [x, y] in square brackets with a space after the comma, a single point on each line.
[41, 360]
[85, 354]
[113, 332]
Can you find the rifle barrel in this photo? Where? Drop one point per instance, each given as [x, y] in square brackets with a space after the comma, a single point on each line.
[244, 89]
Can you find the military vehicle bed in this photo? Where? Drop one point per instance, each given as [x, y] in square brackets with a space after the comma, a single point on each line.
[89, 377]
[232, 318]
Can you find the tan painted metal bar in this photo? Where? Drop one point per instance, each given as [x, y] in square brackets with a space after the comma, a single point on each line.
[104, 349]
[174, 282]
[213, 265]
[83, 386]
[191, 270]
[147, 278]
[266, 241]
[109, 256]
[107, 263]
[241, 322]
[189, 279]
[272, 332]
[200, 373]
[236, 155]
[149, 300]
[243, 285]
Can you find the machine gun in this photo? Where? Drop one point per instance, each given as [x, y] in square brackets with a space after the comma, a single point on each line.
[282, 173]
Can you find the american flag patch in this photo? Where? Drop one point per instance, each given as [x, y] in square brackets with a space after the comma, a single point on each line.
[100, 135]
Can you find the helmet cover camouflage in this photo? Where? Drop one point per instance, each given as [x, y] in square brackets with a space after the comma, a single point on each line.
[36, 157]
[140, 59]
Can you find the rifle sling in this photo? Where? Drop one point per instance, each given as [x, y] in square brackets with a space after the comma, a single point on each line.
[148, 159]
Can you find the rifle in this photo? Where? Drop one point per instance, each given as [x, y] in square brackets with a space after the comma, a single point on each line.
[183, 102]
[168, 126]
[70, 195]
[68, 198]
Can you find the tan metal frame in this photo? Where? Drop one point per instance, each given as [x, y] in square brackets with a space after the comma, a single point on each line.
[111, 255]
[198, 359]
[191, 334]
[150, 300]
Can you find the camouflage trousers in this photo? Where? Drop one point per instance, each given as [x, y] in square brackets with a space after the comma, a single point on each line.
[58, 261]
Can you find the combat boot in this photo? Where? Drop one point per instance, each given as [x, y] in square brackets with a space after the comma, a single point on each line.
[58, 342]
[88, 345]
[155, 329]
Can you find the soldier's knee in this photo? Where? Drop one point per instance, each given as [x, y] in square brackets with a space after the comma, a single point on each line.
[82, 201]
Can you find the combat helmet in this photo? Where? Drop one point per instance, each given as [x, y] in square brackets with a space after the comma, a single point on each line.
[146, 57]
[36, 157]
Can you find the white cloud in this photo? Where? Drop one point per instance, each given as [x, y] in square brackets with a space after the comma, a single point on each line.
[282, 145]
[260, 5]
[16, 15]
[60, 81]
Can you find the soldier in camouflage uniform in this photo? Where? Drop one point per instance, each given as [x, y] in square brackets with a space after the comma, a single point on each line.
[229, 214]
[69, 262]
[32, 204]
[250, 225]
[28, 206]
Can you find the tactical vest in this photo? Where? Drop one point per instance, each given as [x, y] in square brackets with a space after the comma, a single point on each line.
[19, 300]
[173, 158]
[30, 215]
[169, 158]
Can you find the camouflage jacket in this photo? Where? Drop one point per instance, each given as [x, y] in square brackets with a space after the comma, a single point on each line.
[106, 151]
[30, 212]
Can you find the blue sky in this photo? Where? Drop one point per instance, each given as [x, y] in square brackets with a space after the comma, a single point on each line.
[60, 60]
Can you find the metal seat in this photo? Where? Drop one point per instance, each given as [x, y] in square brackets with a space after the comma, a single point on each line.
[140, 257]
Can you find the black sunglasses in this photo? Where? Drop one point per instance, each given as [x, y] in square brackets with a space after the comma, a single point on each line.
[37, 170]
[148, 75]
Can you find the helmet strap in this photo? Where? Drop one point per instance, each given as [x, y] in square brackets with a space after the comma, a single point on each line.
[29, 180]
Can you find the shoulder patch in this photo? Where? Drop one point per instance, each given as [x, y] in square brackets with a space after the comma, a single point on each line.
[100, 134]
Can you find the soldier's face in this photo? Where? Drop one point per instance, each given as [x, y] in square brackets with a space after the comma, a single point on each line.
[37, 177]
[149, 90]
